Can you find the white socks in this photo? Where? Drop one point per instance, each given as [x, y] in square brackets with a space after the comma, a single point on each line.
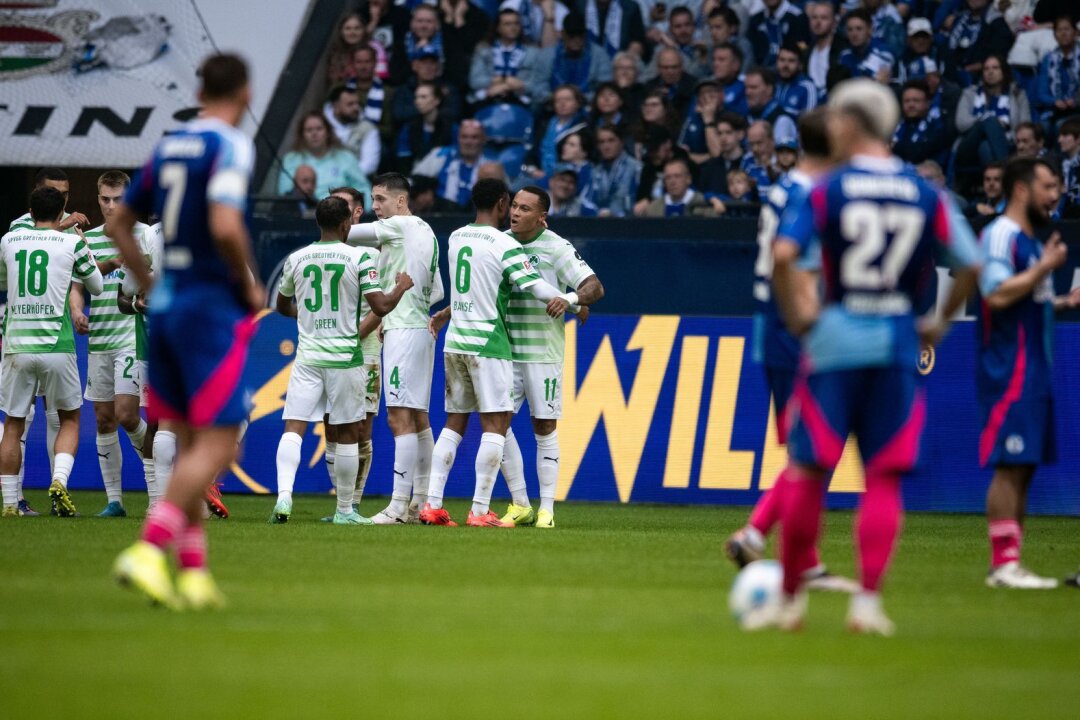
[151, 480]
[63, 462]
[405, 452]
[288, 461]
[10, 486]
[346, 466]
[547, 468]
[138, 436]
[111, 462]
[442, 460]
[328, 456]
[52, 429]
[425, 445]
[488, 459]
[366, 451]
[164, 456]
[513, 467]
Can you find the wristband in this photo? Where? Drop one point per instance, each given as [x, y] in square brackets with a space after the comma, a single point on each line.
[570, 297]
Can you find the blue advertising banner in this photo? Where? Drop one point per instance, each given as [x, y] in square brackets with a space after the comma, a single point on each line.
[657, 408]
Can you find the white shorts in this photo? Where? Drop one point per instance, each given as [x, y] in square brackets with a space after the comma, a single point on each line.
[109, 374]
[408, 363]
[56, 375]
[372, 387]
[541, 385]
[478, 384]
[314, 390]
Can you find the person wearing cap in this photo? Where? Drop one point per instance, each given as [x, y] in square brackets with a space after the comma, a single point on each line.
[356, 133]
[865, 56]
[795, 92]
[566, 201]
[762, 103]
[778, 22]
[426, 68]
[787, 154]
[887, 27]
[920, 56]
[680, 199]
[988, 115]
[919, 137]
[700, 123]
[575, 59]
[977, 30]
[504, 68]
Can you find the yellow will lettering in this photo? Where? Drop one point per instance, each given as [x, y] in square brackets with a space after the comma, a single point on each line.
[722, 467]
[271, 397]
[773, 455]
[684, 415]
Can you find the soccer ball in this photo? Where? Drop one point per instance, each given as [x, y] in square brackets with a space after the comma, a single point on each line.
[756, 592]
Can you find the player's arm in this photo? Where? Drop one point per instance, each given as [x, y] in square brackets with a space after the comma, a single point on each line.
[77, 306]
[285, 305]
[438, 321]
[438, 292]
[1000, 293]
[381, 303]
[795, 288]
[286, 291]
[86, 271]
[369, 324]
[363, 235]
[590, 291]
[962, 254]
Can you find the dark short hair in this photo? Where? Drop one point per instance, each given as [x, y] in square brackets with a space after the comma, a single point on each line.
[680, 161]
[680, 10]
[338, 90]
[49, 173]
[1070, 127]
[223, 76]
[735, 120]
[813, 135]
[727, 13]
[1035, 128]
[46, 204]
[356, 195]
[735, 50]
[545, 199]
[916, 84]
[331, 212]
[1021, 171]
[574, 24]
[113, 178]
[860, 13]
[792, 47]
[487, 192]
[995, 165]
[393, 181]
[767, 76]
[422, 184]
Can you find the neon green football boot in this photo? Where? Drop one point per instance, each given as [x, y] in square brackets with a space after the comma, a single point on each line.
[519, 515]
[545, 519]
[198, 591]
[144, 568]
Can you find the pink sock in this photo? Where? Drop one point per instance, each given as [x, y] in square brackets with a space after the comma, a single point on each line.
[877, 526]
[801, 502]
[766, 512]
[1005, 538]
[191, 548]
[164, 524]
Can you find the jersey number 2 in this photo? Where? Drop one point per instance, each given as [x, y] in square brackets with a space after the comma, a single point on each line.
[866, 226]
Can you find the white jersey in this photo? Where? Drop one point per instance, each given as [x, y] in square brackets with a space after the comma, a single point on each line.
[536, 337]
[485, 265]
[408, 245]
[26, 222]
[37, 267]
[327, 279]
[110, 329]
[371, 345]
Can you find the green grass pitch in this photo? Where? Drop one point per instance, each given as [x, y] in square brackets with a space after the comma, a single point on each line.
[619, 612]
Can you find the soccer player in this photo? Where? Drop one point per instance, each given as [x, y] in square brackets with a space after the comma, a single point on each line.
[777, 350]
[37, 266]
[196, 181]
[875, 226]
[408, 245]
[487, 265]
[1014, 376]
[113, 375]
[536, 346]
[328, 280]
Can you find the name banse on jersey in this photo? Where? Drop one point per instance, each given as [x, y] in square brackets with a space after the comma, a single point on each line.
[328, 280]
[485, 265]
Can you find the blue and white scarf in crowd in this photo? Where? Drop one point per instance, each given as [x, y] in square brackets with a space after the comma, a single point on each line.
[612, 26]
[412, 50]
[571, 71]
[1000, 109]
[966, 29]
[917, 133]
[1070, 168]
[507, 60]
[673, 208]
[1064, 73]
[918, 68]
[456, 180]
[373, 108]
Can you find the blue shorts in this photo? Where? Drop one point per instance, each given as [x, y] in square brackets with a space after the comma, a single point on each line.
[1017, 432]
[781, 382]
[195, 361]
[885, 407]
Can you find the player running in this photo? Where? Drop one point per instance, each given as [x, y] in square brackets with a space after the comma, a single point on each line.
[37, 266]
[408, 245]
[327, 279]
[1015, 340]
[537, 342]
[197, 182]
[487, 266]
[876, 225]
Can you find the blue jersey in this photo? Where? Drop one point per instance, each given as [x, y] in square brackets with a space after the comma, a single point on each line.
[207, 161]
[877, 226]
[1015, 344]
[774, 346]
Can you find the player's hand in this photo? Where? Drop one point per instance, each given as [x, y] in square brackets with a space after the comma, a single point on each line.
[404, 281]
[1054, 253]
[556, 307]
[583, 314]
[931, 330]
[255, 296]
[75, 218]
[107, 266]
[81, 323]
[1070, 301]
[140, 304]
[438, 321]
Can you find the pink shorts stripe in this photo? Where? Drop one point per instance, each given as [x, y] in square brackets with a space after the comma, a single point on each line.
[157, 409]
[828, 446]
[1000, 411]
[902, 450]
[208, 400]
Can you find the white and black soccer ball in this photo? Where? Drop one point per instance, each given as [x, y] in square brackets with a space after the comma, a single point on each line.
[756, 591]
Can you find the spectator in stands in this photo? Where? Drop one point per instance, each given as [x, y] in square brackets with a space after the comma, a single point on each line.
[659, 148]
[795, 92]
[369, 88]
[1057, 87]
[569, 105]
[576, 150]
[944, 97]
[865, 56]
[424, 32]
[778, 23]
[656, 111]
[1030, 140]
[673, 79]
[426, 131]
[827, 45]
[1069, 144]
[919, 137]
[384, 21]
[727, 63]
[887, 27]
[988, 113]
[351, 34]
[920, 55]
[615, 177]
[762, 103]
[615, 25]
[977, 31]
[724, 27]
[608, 108]
[787, 155]
[424, 197]
[317, 146]
[575, 60]
[760, 163]
[565, 199]
[464, 25]
[503, 69]
[741, 199]
[680, 35]
[455, 166]
[304, 182]
[357, 134]
[541, 20]
[426, 68]
[992, 201]
[931, 171]
[679, 199]
[701, 123]
[730, 133]
[625, 72]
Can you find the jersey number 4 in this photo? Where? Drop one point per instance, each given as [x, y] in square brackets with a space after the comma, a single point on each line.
[868, 226]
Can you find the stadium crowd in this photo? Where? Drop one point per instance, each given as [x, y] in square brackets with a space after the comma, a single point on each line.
[637, 108]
